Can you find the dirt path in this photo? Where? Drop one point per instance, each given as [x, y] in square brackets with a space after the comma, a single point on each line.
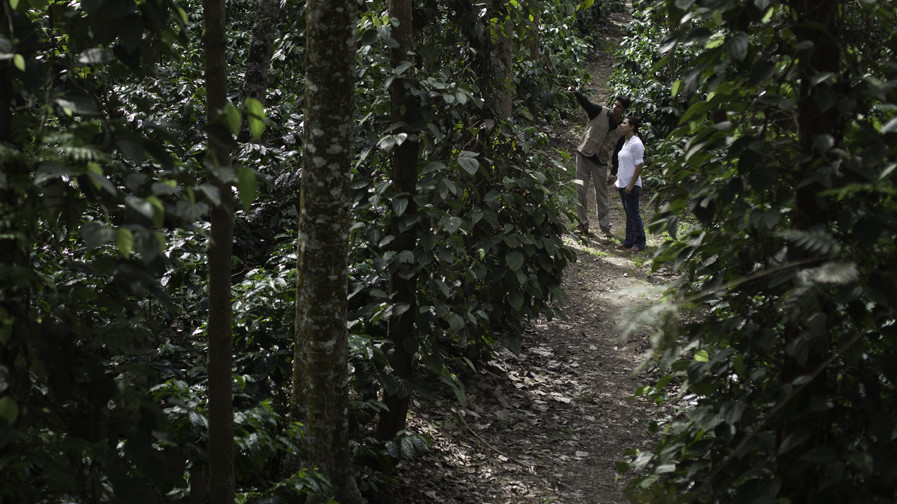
[547, 425]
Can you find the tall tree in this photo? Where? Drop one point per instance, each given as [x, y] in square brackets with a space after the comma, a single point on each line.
[532, 37]
[320, 374]
[404, 176]
[258, 59]
[220, 250]
[504, 35]
[787, 168]
[817, 120]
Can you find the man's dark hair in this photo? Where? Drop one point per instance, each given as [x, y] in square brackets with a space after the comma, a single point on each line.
[624, 100]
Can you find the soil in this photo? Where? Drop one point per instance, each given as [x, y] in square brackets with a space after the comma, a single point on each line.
[548, 424]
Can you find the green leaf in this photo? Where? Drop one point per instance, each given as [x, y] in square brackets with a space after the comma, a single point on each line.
[836, 273]
[246, 186]
[125, 242]
[456, 322]
[514, 260]
[469, 165]
[233, 117]
[890, 126]
[407, 448]
[51, 170]
[158, 210]
[457, 387]
[95, 173]
[677, 86]
[761, 72]
[19, 61]
[211, 192]
[733, 411]
[9, 410]
[738, 46]
[399, 205]
[388, 142]
[95, 234]
[515, 299]
[405, 65]
[819, 455]
[452, 224]
[794, 440]
[142, 206]
[432, 166]
[255, 114]
[76, 104]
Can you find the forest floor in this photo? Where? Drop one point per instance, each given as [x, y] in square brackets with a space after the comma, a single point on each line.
[547, 425]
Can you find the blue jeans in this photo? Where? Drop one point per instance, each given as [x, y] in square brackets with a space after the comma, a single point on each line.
[635, 230]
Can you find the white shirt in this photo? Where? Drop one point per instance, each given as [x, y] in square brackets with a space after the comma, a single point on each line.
[631, 155]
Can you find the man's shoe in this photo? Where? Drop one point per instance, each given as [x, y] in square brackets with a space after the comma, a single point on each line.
[607, 232]
[581, 230]
[620, 246]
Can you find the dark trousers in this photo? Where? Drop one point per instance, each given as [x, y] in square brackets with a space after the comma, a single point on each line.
[635, 229]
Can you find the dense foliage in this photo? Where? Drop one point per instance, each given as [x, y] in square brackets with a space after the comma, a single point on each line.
[776, 349]
[105, 194]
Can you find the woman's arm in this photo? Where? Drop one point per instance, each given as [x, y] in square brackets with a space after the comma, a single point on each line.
[635, 175]
[638, 156]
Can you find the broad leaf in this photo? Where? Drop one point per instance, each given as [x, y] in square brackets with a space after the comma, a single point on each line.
[514, 260]
[246, 186]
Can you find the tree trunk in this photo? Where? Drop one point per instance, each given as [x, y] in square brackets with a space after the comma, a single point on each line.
[220, 249]
[320, 374]
[817, 22]
[403, 286]
[505, 50]
[5, 101]
[532, 32]
[258, 60]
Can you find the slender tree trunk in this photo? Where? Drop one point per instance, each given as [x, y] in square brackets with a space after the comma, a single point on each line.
[320, 374]
[532, 33]
[403, 285]
[817, 22]
[258, 61]
[220, 249]
[5, 100]
[261, 47]
[505, 78]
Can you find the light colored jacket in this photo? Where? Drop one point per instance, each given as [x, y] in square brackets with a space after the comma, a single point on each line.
[597, 140]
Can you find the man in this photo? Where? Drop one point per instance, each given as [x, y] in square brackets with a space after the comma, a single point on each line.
[594, 154]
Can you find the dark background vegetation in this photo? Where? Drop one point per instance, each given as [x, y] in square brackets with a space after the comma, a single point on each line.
[772, 129]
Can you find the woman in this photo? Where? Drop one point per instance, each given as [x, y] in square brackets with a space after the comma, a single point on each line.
[629, 184]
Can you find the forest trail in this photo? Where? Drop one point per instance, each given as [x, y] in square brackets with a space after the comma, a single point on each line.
[547, 425]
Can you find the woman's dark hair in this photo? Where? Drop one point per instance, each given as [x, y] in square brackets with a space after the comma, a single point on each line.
[635, 122]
